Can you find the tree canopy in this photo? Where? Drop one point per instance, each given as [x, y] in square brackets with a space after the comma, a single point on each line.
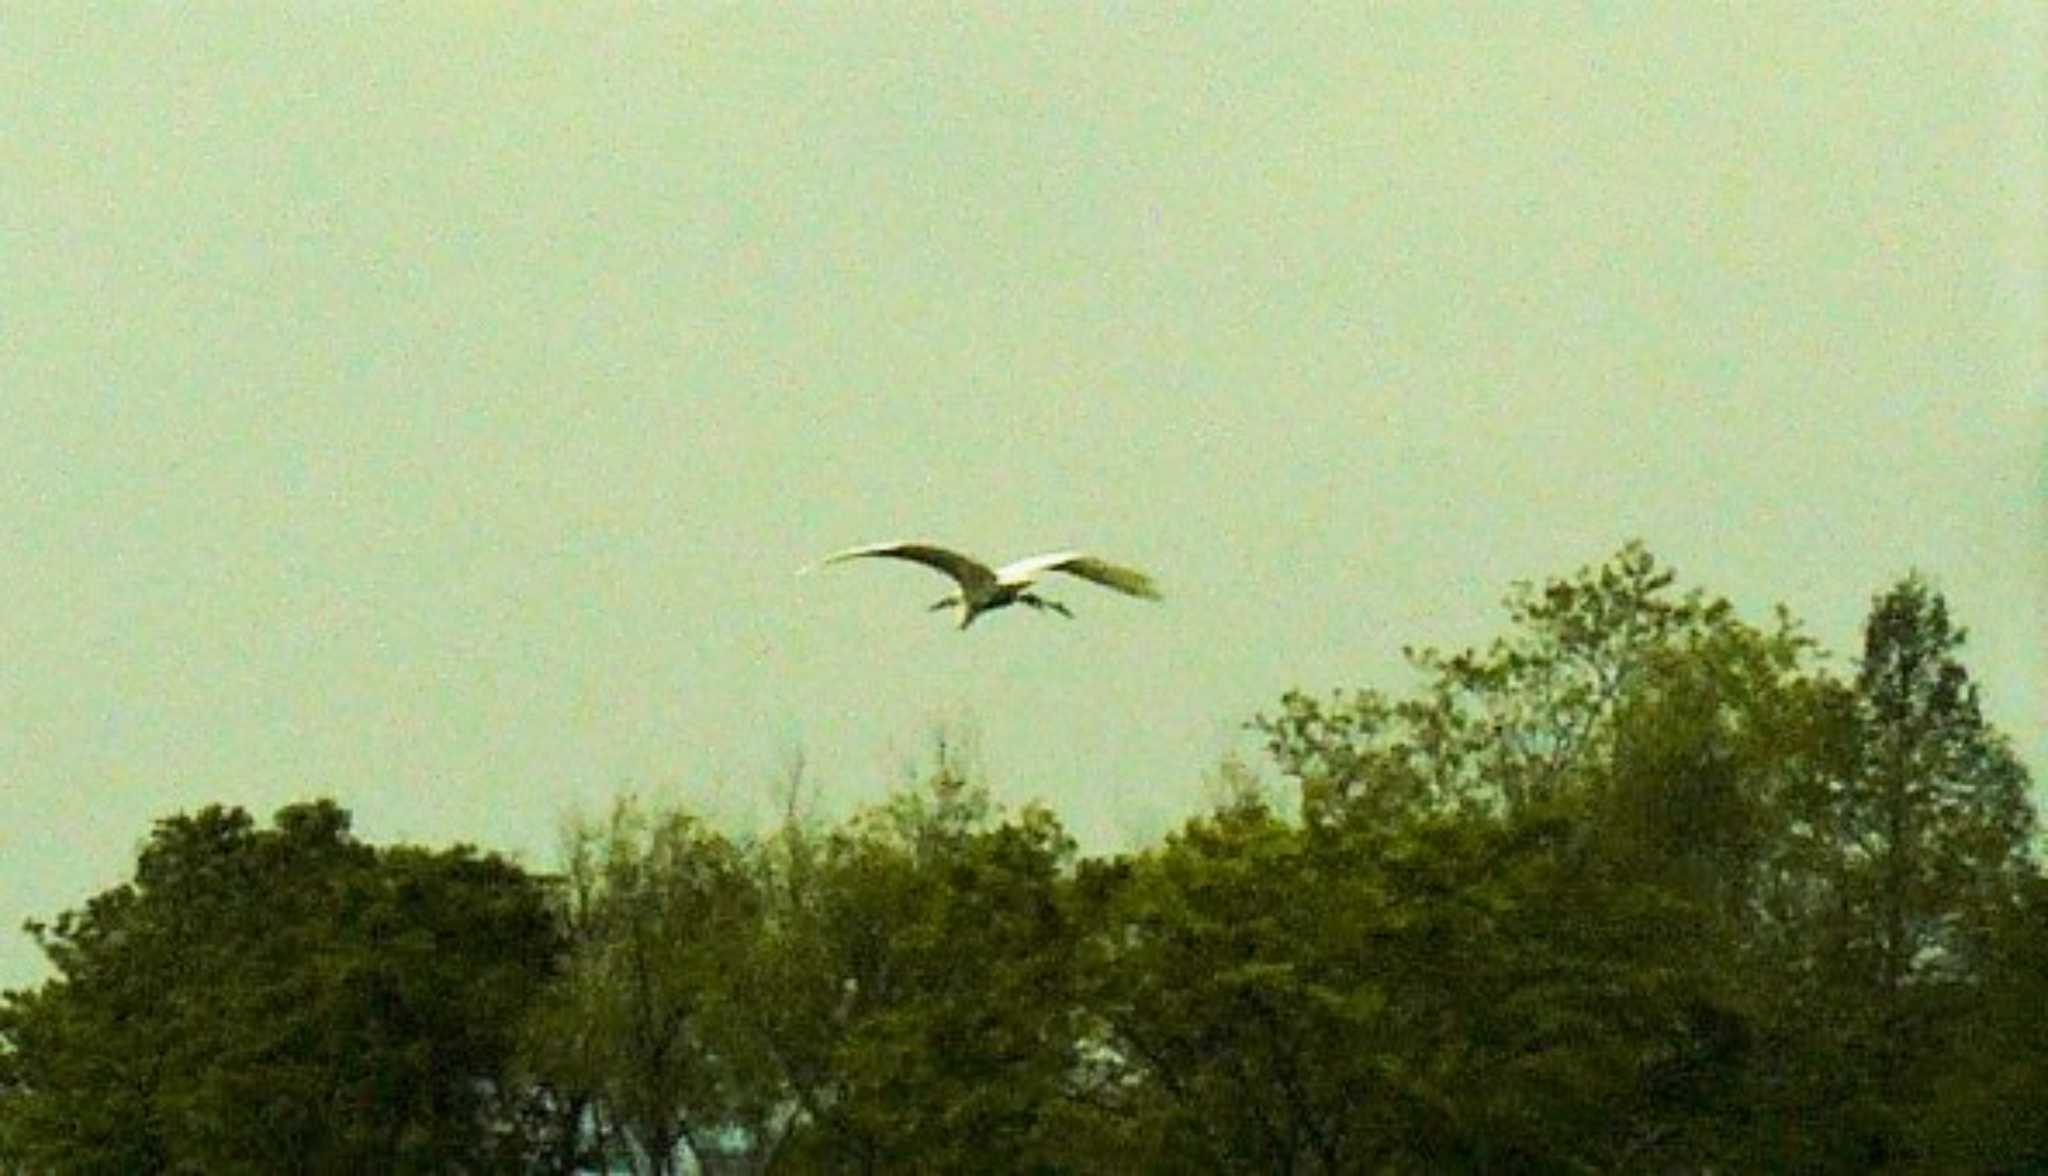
[1639, 886]
[282, 998]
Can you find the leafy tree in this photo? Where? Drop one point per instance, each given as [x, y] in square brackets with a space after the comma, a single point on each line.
[1454, 993]
[1660, 765]
[1234, 1027]
[1936, 818]
[1514, 725]
[1989, 1113]
[1915, 848]
[892, 992]
[1656, 734]
[658, 909]
[286, 998]
[912, 984]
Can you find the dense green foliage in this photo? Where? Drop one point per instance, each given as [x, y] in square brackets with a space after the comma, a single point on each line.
[1638, 887]
[280, 1000]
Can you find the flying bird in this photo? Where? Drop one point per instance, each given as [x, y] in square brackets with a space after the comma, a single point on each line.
[984, 589]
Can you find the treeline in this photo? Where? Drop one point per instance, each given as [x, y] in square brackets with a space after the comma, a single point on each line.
[1640, 887]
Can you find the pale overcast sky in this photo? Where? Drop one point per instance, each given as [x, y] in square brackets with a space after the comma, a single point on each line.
[431, 411]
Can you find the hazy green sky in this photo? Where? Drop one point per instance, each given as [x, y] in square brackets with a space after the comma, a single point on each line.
[430, 410]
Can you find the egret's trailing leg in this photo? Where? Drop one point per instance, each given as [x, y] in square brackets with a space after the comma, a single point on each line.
[1043, 605]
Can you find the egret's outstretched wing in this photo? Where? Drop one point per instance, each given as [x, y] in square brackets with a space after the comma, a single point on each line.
[972, 575]
[1129, 581]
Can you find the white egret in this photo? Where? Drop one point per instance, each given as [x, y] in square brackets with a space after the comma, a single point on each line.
[983, 589]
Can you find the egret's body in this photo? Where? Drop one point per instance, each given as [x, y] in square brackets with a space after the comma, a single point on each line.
[984, 589]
